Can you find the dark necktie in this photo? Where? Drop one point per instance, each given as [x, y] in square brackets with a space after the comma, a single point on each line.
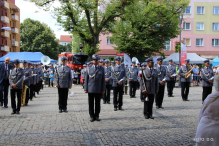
[16, 70]
[6, 71]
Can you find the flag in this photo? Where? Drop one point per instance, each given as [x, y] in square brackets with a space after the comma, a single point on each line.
[183, 53]
[127, 60]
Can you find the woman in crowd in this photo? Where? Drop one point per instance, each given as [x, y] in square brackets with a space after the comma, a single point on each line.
[51, 77]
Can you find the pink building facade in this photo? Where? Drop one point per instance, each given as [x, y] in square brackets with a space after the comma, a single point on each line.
[200, 31]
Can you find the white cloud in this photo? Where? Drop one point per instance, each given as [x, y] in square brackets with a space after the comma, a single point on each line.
[28, 10]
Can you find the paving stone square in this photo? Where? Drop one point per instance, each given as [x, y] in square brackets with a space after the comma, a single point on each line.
[41, 124]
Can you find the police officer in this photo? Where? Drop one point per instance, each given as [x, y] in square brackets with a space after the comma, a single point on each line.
[118, 75]
[170, 76]
[64, 82]
[112, 63]
[32, 80]
[83, 73]
[149, 86]
[101, 63]
[107, 68]
[36, 80]
[142, 95]
[139, 68]
[27, 76]
[161, 80]
[126, 80]
[207, 75]
[95, 86]
[133, 81]
[15, 79]
[185, 82]
[91, 63]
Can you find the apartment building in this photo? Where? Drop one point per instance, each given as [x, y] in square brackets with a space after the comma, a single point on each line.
[10, 17]
[200, 31]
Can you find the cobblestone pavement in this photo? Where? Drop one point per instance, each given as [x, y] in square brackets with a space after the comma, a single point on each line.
[41, 124]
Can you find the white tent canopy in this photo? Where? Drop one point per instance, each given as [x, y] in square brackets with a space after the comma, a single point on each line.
[194, 58]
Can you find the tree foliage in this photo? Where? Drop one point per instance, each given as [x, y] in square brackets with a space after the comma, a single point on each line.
[146, 25]
[38, 37]
[84, 18]
[65, 48]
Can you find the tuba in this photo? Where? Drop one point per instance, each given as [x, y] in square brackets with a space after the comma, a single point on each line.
[23, 95]
[189, 73]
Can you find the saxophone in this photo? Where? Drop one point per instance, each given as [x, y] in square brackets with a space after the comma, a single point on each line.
[23, 95]
[189, 73]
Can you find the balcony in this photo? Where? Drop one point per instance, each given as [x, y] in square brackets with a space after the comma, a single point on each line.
[14, 30]
[5, 4]
[14, 43]
[14, 17]
[4, 19]
[5, 34]
[5, 48]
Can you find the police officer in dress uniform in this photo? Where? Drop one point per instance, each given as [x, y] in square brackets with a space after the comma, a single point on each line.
[95, 86]
[41, 76]
[27, 76]
[142, 95]
[91, 63]
[133, 79]
[161, 80]
[32, 79]
[36, 79]
[15, 79]
[107, 68]
[185, 82]
[149, 86]
[101, 63]
[118, 75]
[64, 82]
[126, 81]
[112, 63]
[139, 68]
[83, 73]
[207, 75]
[170, 76]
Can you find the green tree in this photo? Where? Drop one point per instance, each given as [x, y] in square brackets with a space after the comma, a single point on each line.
[146, 25]
[84, 18]
[38, 37]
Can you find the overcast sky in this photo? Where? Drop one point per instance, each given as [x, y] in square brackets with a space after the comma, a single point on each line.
[28, 10]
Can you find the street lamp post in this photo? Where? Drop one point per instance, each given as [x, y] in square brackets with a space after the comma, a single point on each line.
[180, 22]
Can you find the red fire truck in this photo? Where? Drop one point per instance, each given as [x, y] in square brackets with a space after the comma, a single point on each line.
[75, 60]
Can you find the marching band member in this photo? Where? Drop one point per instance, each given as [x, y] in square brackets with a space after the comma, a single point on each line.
[112, 63]
[64, 82]
[133, 81]
[95, 86]
[118, 75]
[83, 73]
[185, 82]
[107, 68]
[149, 86]
[126, 81]
[207, 76]
[27, 76]
[171, 73]
[16, 77]
[32, 80]
[161, 80]
[101, 63]
[142, 95]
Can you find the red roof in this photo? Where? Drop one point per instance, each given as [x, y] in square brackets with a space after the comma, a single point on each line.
[107, 52]
[65, 38]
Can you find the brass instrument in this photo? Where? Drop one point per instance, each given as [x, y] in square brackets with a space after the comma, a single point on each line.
[189, 73]
[23, 95]
[42, 79]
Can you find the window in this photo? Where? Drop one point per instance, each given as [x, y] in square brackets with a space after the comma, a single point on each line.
[63, 44]
[167, 46]
[186, 26]
[215, 26]
[200, 10]
[187, 10]
[199, 26]
[216, 10]
[187, 41]
[109, 42]
[215, 42]
[199, 42]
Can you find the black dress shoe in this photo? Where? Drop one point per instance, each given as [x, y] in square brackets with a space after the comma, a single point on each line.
[6, 106]
[60, 111]
[18, 112]
[161, 107]
[151, 117]
[146, 116]
[26, 104]
[187, 100]
[97, 119]
[108, 102]
[65, 111]
[171, 96]
[120, 108]
[92, 119]
[31, 99]
[157, 107]
[104, 102]
[13, 112]
[115, 109]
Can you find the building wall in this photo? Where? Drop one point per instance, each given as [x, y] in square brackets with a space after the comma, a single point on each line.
[64, 42]
[11, 24]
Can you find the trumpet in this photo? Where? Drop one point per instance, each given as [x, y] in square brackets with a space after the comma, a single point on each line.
[189, 73]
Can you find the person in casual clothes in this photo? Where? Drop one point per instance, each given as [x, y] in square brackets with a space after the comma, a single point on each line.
[51, 77]
[195, 75]
[78, 71]
[45, 77]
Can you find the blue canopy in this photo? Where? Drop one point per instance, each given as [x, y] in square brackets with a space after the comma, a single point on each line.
[29, 56]
[216, 61]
